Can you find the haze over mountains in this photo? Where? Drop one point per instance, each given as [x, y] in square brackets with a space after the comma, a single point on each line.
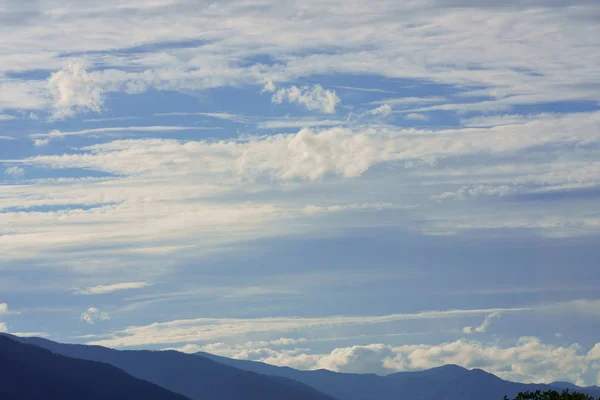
[205, 376]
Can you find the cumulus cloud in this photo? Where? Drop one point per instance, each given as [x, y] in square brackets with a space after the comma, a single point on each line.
[527, 360]
[74, 91]
[14, 171]
[269, 87]
[484, 325]
[92, 315]
[383, 110]
[103, 289]
[4, 310]
[314, 98]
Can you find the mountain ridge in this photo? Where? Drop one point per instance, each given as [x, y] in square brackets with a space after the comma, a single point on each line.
[192, 376]
[29, 372]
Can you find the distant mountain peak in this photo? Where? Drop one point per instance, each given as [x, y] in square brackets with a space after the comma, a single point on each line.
[449, 367]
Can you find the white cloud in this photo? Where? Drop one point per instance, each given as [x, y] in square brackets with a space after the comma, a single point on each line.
[159, 183]
[416, 117]
[14, 171]
[312, 209]
[300, 123]
[31, 334]
[484, 325]
[3, 328]
[383, 110]
[74, 91]
[308, 154]
[206, 329]
[45, 138]
[528, 360]
[92, 315]
[4, 310]
[476, 191]
[103, 289]
[218, 115]
[313, 98]
[6, 117]
[239, 350]
[269, 87]
[303, 46]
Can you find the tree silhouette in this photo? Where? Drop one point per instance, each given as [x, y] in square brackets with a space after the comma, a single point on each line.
[551, 395]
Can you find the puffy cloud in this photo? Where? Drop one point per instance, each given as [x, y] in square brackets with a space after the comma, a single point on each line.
[269, 87]
[103, 289]
[594, 353]
[313, 98]
[14, 171]
[358, 359]
[527, 360]
[484, 325]
[4, 310]
[3, 328]
[73, 91]
[310, 154]
[92, 315]
[383, 110]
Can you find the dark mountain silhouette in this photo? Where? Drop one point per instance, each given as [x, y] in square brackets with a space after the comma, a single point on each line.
[449, 382]
[31, 373]
[196, 377]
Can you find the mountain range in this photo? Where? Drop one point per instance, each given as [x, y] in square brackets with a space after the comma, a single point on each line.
[198, 378]
[449, 382]
[32, 373]
[203, 376]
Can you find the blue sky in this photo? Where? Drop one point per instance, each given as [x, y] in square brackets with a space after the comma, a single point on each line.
[363, 188]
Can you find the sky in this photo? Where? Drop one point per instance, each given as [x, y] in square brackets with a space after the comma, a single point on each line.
[360, 186]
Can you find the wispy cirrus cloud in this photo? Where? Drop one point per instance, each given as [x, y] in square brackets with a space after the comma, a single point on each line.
[104, 289]
[207, 329]
[45, 138]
